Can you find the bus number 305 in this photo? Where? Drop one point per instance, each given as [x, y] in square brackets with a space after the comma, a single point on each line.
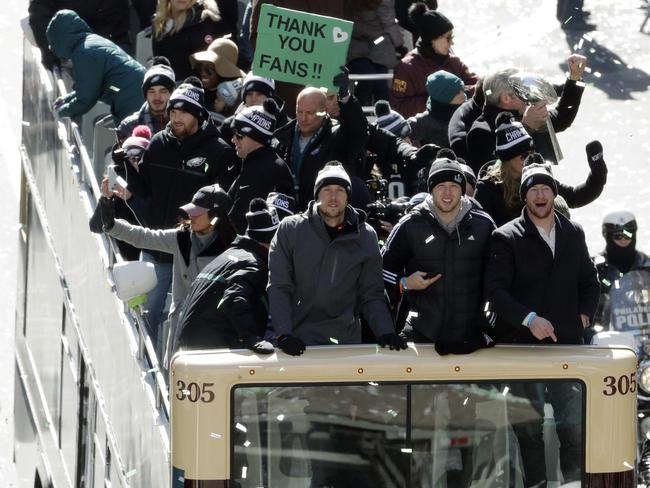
[195, 392]
[622, 385]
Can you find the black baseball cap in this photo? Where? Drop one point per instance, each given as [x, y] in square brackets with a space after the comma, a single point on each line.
[208, 198]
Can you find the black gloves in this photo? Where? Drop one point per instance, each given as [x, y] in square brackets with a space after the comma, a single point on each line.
[595, 156]
[394, 341]
[260, 346]
[291, 345]
[341, 81]
[107, 213]
[464, 347]
[401, 51]
[425, 155]
[103, 217]
[50, 60]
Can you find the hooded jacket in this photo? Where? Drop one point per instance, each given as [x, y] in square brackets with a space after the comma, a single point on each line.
[173, 169]
[318, 286]
[524, 276]
[227, 302]
[449, 310]
[101, 70]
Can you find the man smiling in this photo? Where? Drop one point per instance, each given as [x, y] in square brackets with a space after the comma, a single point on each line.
[325, 269]
[543, 287]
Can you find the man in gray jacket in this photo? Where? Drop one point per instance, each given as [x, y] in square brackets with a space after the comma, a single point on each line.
[325, 268]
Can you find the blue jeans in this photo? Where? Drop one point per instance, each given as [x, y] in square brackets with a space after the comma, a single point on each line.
[156, 298]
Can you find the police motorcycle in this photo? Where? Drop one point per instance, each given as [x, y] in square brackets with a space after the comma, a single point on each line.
[624, 318]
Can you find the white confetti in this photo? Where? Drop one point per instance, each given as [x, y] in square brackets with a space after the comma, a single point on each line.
[505, 391]
[26, 124]
[280, 417]
[241, 427]
[114, 88]
[334, 340]
[247, 443]
[406, 450]
[130, 474]
[244, 471]
[379, 40]
[214, 435]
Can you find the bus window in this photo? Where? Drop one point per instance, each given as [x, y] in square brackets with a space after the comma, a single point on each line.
[405, 434]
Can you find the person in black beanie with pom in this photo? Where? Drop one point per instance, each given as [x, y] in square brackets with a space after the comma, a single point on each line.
[227, 306]
[263, 171]
[433, 264]
[432, 53]
[619, 258]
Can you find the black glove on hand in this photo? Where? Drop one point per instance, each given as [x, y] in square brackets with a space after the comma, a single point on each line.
[425, 155]
[394, 341]
[95, 222]
[260, 346]
[291, 345]
[50, 60]
[107, 213]
[401, 51]
[342, 81]
[595, 156]
[464, 347]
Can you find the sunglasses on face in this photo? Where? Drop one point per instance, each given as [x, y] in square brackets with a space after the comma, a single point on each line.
[625, 235]
[239, 135]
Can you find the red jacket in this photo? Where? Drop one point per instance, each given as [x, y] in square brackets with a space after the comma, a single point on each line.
[408, 94]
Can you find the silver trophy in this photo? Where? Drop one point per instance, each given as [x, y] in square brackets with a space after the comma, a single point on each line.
[532, 88]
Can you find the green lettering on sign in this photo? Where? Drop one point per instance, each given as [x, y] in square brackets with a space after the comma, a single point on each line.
[301, 48]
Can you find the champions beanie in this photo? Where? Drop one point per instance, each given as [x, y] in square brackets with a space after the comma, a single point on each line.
[535, 173]
[512, 140]
[262, 221]
[283, 204]
[258, 83]
[189, 97]
[332, 173]
[443, 86]
[443, 170]
[390, 120]
[159, 74]
[257, 122]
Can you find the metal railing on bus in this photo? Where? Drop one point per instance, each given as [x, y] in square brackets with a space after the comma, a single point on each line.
[369, 110]
[146, 352]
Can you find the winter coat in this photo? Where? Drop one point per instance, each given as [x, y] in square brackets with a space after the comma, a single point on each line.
[489, 193]
[344, 142]
[461, 121]
[481, 139]
[172, 171]
[427, 128]
[262, 172]
[523, 276]
[370, 25]
[227, 302]
[198, 32]
[102, 70]
[408, 94]
[106, 18]
[318, 286]
[141, 117]
[449, 310]
[177, 243]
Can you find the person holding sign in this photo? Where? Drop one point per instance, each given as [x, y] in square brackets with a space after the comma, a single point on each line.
[312, 139]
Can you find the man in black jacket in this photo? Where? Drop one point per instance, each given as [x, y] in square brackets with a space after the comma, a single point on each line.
[227, 306]
[543, 287]
[262, 171]
[312, 139]
[187, 155]
[500, 97]
[433, 263]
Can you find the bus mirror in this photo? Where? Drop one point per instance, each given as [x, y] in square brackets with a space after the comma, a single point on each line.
[133, 280]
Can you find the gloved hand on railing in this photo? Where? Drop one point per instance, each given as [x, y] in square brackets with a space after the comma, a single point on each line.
[394, 341]
[291, 345]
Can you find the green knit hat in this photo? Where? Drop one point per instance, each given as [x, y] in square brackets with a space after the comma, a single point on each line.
[443, 86]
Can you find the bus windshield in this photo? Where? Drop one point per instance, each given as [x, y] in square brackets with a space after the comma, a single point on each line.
[406, 434]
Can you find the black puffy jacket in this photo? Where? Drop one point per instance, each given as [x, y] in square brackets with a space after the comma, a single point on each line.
[450, 309]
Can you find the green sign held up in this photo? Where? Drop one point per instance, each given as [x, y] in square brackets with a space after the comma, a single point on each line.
[301, 48]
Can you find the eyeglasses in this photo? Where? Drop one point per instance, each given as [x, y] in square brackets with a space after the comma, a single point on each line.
[239, 135]
[625, 235]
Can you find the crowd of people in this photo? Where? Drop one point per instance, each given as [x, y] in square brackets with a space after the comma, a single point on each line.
[249, 195]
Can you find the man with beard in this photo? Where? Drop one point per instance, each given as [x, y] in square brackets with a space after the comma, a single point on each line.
[433, 264]
[324, 269]
[543, 287]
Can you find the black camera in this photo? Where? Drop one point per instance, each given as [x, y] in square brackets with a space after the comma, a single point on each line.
[382, 207]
